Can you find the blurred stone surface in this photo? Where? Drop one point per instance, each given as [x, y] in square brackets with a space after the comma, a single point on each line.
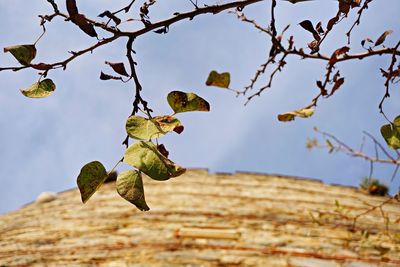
[202, 219]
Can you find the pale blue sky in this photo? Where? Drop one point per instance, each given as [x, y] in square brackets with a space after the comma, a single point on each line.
[45, 142]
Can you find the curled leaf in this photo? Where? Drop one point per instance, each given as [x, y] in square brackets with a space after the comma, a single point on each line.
[161, 148]
[302, 113]
[40, 89]
[79, 19]
[337, 85]
[23, 53]
[130, 186]
[84, 25]
[338, 52]
[391, 133]
[216, 79]
[146, 157]
[344, 7]
[332, 22]
[185, 102]
[91, 177]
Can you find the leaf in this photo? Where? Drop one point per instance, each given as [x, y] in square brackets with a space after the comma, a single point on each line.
[105, 77]
[161, 148]
[179, 129]
[130, 186]
[338, 52]
[40, 89]
[109, 15]
[146, 157]
[79, 19]
[344, 7]
[23, 53]
[319, 28]
[72, 8]
[221, 80]
[91, 177]
[184, 102]
[382, 38]
[307, 25]
[41, 66]
[84, 25]
[332, 22]
[118, 68]
[141, 128]
[391, 133]
[167, 123]
[337, 85]
[302, 113]
[162, 30]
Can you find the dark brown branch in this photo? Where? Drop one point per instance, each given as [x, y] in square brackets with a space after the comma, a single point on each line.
[215, 9]
[358, 20]
[388, 74]
[343, 147]
[54, 5]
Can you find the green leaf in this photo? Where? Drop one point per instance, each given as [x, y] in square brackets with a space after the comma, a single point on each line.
[40, 89]
[23, 53]
[141, 128]
[130, 187]
[145, 157]
[184, 102]
[221, 80]
[391, 133]
[91, 177]
[302, 113]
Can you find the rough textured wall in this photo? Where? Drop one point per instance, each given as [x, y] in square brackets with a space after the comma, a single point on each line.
[202, 219]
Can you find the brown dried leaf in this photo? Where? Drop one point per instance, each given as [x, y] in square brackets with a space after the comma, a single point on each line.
[105, 77]
[382, 38]
[41, 66]
[118, 68]
[344, 7]
[179, 129]
[319, 28]
[307, 25]
[338, 52]
[72, 8]
[337, 85]
[84, 25]
[161, 148]
[332, 22]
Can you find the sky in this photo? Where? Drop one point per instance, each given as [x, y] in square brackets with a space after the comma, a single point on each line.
[45, 142]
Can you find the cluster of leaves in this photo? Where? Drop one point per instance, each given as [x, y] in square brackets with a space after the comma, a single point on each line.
[24, 54]
[151, 158]
[145, 155]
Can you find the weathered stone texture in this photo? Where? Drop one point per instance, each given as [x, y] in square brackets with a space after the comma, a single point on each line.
[202, 219]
